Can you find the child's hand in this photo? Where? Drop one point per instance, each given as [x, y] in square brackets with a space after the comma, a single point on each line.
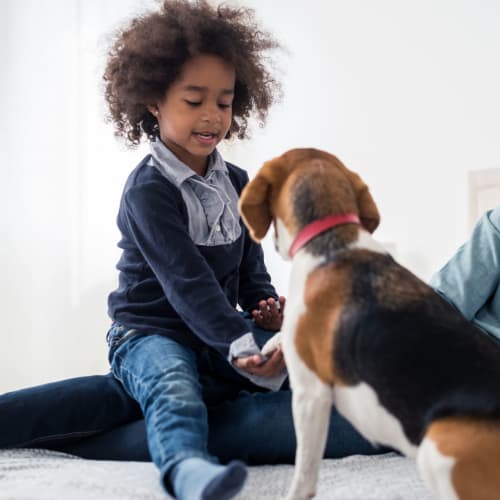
[269, 315]
[254, 365]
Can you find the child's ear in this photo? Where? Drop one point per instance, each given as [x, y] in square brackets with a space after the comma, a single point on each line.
[153, 110]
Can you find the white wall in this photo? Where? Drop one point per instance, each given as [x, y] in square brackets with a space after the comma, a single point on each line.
[404, 92]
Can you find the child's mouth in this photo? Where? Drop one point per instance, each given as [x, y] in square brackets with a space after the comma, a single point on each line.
[205, 137]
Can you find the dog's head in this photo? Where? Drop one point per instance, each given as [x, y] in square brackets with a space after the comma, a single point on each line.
[301, 186]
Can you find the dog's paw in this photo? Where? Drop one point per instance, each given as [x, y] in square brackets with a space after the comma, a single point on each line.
[295, 494]
[297, 497]
[271, 345]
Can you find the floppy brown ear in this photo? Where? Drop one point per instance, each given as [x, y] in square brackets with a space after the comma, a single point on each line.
[368, 211]
[254, 207]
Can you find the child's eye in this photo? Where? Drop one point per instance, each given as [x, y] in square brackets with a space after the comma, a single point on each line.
[192, 103]
[224, 106]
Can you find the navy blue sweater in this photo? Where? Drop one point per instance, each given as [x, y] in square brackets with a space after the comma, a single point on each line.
[169, 285]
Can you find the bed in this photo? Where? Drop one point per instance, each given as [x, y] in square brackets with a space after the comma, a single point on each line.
[41, 474]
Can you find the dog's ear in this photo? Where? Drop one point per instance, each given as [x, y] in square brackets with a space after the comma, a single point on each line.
[368, 211]
[254, 206]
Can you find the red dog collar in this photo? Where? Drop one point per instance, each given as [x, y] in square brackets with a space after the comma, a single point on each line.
[319, 226]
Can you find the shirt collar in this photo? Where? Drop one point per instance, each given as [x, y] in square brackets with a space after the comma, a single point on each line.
[177, 171]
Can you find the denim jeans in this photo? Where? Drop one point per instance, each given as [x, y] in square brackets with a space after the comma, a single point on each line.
[173, 385]
[162, 376]
[93, 417]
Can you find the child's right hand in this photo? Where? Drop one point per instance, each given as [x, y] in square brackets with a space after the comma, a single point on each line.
[253, 364]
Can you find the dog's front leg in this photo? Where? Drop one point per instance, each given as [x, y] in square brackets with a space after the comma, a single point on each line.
[311, 406]
[271, 345]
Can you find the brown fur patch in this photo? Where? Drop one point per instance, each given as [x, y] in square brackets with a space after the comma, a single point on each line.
[318, 190]
[324, 297]
[475, 445]
[367, 209]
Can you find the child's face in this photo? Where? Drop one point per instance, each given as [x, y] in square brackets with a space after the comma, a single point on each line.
[196, 113]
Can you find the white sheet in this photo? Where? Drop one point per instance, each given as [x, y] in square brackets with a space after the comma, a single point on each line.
[40, 474]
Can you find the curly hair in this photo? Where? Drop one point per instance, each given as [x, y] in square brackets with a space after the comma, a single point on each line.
[147, 56]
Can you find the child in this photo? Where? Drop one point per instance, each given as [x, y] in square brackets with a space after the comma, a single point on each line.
[188, 77]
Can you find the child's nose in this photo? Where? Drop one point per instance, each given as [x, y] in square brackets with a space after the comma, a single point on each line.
[212, 113]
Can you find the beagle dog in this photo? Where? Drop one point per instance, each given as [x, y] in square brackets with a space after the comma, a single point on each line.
[363, 333]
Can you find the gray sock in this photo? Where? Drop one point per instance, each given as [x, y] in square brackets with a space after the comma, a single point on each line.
[199, 479]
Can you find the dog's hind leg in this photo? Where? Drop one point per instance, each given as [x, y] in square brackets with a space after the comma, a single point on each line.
[311, 407]
[459, 458]
[435, 470]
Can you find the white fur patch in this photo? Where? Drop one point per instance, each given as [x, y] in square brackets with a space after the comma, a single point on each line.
[301, 377]
[366, 241]
[311, 397]
[271, 345]
[435, 469]
[282, 239]
[360, 405]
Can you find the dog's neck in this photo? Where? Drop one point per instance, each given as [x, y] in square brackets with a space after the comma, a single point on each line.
[330, 243]
[314, 229]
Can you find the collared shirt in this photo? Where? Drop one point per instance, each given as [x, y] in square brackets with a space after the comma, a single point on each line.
[470, 280]
[211, 201]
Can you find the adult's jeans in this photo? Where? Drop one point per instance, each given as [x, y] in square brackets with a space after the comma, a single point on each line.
[93, 417]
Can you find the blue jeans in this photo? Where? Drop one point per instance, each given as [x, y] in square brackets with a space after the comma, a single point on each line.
[93, 417]
[162, 376]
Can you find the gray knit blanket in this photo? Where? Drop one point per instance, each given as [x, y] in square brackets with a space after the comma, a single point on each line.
[41, 474]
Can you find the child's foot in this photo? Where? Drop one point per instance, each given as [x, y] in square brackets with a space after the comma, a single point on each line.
[198, 479]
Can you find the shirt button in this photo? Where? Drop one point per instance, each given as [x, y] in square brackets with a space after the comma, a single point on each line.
[217, 227]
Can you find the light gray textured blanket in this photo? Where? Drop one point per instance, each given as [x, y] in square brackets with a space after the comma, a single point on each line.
[40, 474]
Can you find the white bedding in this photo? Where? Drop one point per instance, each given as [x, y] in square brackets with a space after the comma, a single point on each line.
[40, 474]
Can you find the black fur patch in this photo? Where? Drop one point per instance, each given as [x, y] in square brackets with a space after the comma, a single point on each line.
[422, 357]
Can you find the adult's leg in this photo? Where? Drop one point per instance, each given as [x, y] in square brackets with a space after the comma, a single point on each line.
[94, 418]
[59, 413]
[255, 428]
[258, 429]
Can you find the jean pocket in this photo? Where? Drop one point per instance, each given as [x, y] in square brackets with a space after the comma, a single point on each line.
[118, 334]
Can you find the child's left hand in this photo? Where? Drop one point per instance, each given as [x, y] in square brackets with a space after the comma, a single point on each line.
[269, 315]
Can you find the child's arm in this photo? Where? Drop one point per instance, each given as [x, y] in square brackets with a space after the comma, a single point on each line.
[472, 275]
[255, 282]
